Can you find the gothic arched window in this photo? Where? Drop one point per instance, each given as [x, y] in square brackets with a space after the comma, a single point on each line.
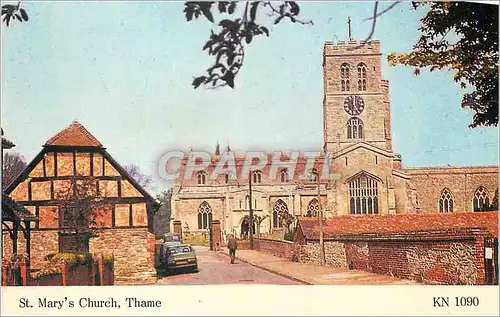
[284, 176]
[201, 178]
[344, 77]
[362, 77]
[313, 208]
[481, 199]
[363, 195]
[279, 207]
[257, 177]
[446, 201]
[355, 128]
[204, 215]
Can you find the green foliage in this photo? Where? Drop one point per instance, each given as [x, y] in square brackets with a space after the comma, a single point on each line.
[494, 203]
[161, 222]
[73, 259]
[288, 236]
[462, 37]
[108, 259]
[227, 46]
[200, 240]
[14, 12]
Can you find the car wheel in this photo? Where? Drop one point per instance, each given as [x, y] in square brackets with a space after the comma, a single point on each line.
[196, 269]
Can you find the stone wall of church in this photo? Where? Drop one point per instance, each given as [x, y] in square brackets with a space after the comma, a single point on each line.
[362, 159]
[462, 182]
[186, 210]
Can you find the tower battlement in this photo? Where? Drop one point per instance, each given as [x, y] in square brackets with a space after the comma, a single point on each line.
[351, 47]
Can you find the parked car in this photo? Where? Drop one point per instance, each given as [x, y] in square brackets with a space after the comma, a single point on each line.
[174, 257]
[172, 238]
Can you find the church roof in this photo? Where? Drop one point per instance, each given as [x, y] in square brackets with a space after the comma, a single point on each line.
[74, 135]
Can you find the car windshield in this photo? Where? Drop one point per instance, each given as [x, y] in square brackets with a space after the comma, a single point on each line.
[181, 249]
[171, 238]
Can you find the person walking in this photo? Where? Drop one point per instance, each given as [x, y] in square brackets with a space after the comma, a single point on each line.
[232, 245]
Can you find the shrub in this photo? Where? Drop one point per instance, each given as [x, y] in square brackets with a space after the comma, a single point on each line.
[288, 236]
[108, 259]
[73, 259]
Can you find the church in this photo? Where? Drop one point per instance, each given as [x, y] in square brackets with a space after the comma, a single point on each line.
[357, 134]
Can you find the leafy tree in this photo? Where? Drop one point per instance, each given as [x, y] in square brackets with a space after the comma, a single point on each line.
[12, 12]
[13, 165]
[237, 29]
[494, 202]
[135, 172]
[80, 204]
[163, 215]
[462, 37]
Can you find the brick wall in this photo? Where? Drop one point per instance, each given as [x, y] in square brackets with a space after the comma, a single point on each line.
[281, 248]
[428, 257]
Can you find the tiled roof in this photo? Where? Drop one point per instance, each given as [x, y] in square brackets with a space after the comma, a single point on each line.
[74, 135]
[9, 205]
[400, 224]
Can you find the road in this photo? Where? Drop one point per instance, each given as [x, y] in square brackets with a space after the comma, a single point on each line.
[214, 268]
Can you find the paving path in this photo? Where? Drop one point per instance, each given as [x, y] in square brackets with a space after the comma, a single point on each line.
[214, 268]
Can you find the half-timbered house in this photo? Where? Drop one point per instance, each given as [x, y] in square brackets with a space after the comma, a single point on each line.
[124, 224]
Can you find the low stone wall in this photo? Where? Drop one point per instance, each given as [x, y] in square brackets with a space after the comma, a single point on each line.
[335, 254]
[43, 242]
[133, 251]
[430, 257]
[280, 248]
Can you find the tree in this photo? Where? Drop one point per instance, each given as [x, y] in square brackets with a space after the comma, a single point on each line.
[286, 220]
[79, 205]
[162, 217]
[12, 12]
[258, 221]
[227, 46]
[462, 37]
[13, 165]
[135, 172]
[494, 203]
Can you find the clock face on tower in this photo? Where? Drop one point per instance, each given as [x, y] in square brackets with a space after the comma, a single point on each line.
[354, 105]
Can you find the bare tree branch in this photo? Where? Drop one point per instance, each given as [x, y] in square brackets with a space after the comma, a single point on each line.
[384, 11]
[369, 37]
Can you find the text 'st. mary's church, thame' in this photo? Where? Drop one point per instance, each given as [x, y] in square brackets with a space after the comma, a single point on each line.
[357, 133]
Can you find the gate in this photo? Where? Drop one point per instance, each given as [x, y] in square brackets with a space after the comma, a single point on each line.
[491, 261]
[211, 235]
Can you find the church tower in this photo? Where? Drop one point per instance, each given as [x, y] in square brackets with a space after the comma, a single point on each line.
[356, 98]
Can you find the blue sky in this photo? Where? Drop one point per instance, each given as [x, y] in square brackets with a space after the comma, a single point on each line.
[124, 70]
